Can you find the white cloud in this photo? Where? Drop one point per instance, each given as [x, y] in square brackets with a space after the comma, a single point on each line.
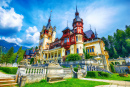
[32, 37]
[31, 29]
[12, 40]
[10, 19]
[4, 3]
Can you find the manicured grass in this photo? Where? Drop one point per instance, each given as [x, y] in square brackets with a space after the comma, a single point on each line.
[9, 70]
[115, 76]
[68, 83]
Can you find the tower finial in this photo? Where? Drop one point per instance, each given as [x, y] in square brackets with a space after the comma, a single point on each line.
[67, 23]
[50, 16]
[76, 9]
[90, 26]
[96, 33]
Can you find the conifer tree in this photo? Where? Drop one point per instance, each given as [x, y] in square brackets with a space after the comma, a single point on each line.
[115, 53]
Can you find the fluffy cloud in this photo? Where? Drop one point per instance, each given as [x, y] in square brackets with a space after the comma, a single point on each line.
[32, 37]
[4, 3]
[31, 29]
[12, 40]
[11, 22]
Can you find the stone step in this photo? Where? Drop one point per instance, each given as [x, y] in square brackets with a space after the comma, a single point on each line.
[7, 81]
[5, 85]
[56, 81]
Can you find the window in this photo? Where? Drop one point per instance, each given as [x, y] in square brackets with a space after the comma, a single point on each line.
[76, 38]
[68, 39]
[47, 43]
[92, 50]
[65, 40]
[88, 50]
[77, 50]
[78, 23]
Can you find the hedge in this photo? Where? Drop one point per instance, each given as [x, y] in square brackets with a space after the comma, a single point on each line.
[76, 69]
[97, 73]
[92, 73]
[9, 70]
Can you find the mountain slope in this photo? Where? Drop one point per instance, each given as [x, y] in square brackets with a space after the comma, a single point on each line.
[6, 46]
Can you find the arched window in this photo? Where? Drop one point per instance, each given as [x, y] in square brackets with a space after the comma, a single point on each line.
[92, 50]
[77, 50]
[88, 50]
[76, 38]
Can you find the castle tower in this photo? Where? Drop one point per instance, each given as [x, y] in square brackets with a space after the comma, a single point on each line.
[54, 34]
[78, 30]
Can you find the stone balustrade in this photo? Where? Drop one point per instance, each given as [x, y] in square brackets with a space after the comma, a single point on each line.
[35, 70]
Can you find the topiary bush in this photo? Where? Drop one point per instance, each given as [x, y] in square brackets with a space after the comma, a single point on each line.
[92, 73]
[105, 74]
[76, 69]
[73, 57]
[9, 70]
[112, 68]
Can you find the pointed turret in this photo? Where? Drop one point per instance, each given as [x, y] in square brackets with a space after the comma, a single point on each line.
[96, 34]
[49, 22]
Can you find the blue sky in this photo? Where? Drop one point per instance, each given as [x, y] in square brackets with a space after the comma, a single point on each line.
[22, 20]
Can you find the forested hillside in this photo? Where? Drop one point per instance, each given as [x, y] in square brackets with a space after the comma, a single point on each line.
[119, 43]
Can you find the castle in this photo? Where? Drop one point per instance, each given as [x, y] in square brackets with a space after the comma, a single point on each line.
[72, 41]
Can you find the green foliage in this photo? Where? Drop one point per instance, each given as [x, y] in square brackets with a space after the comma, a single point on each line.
[13, 57]
[119, 43]
[73, 57]
[112, 68]
[9, 55]
[36, 48]
[115, 55]
[105, 74]
[92, 74]
[9, 70]
[76, 69]
[86, 54]
[32, 61]
[112, 63]
[43, 80]
[20, 54]
[64, 66]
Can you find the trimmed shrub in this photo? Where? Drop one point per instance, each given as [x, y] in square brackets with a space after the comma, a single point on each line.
[105, 74]
[9, 70]
[76, 69]
[92, 73]
[73, 57]
[112, 68]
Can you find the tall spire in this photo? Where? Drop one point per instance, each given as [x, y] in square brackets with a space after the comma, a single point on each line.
[76, 9]
[50, 17]
[96, 33]
[90, 26]
[67, 23]
[76, 13]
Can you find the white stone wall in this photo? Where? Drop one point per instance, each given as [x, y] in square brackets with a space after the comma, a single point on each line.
[97, 47]
[53, 36]
[63, 51]
[80, 47]
[72, 49]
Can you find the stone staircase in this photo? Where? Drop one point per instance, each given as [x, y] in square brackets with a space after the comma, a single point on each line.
[100, 69]
[7, 82]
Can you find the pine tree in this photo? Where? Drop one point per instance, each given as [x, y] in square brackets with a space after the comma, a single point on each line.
[9, 54]
[115, 55]
[124, 51]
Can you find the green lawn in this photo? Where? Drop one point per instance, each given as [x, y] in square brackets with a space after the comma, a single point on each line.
[68, 83]
[113, 77]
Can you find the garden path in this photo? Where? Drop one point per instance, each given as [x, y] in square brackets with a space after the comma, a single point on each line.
[114, 83]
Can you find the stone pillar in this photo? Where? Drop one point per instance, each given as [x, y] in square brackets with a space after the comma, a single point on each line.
[23, 81]
[47, 55]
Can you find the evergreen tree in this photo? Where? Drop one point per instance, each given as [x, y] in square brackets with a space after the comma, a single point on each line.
[9, 54]
[20, 54]
[124, 51]
[115, 53]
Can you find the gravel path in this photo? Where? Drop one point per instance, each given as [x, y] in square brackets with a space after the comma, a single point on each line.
[114, 83]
